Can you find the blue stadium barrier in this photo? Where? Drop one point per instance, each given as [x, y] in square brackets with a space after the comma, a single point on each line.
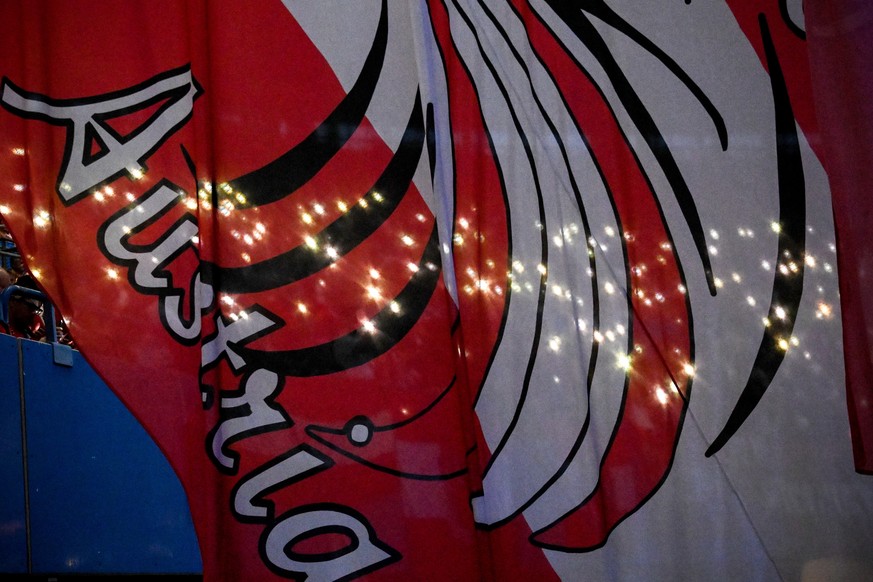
[84, 488]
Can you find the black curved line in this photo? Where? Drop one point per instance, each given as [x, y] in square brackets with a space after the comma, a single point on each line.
[343, 234]
[430, 131]
[360, 346]
[786, 18]
[787, 288]
[314, 430]
[498, 168]
[583, 431]
[544, 256]
[383, 469]
[585, 31]
[602, 11]
[291, 170]
[684, 395]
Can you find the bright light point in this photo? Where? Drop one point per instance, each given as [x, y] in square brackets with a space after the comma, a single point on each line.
[331, 252]
[394, 306]
[311, 242]
[301, 307]
[420, 217]
[609, 287]
[99, 197]
[609, 231]
[824, 310]
[463, 222]
[713, 250]
[407, 240]
[783, 344]
[807, 356]
[555, 344]
[610, 335]
[765, 265]
[556, 289]
[130, 197]
[810, 261]
[191, 203]
[689, 370]
[363, 203]
[306, 218]
[581, 325]
[556, 379]
[246, 257]
[248, 239]
[227, 300]
[794, 341]
[542, 269]
[718, 283]
[374, 274]
[559, 242]
[620, 329]
[136, 174]
[368, 326]
[374, 292]
[517, 267]
[780, 312]
[319, 209]
[714, 234]
[378, 197]
[623, 362]
[17, 151]
[598, 337]
[828, 268]
[661, 395]
[412, 267]
[766, 321]
[4, 209]
[751, 301]
[112, 273]
[736, 278]
[41, 219]
[243, 314]
[261, 228]
[18, 187]
[776, 227]
[342, 206]
[682, 289]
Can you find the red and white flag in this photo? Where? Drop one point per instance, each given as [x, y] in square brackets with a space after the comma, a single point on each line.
[420, 290]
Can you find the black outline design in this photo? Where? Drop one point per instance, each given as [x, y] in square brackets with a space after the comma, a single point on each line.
[572, 13]
[239, 412]
[170, 96]
[344, 234]
[393, 555]
[291, 170]
[313, 430]
[786, 18]
[260, 499]
[360, 346]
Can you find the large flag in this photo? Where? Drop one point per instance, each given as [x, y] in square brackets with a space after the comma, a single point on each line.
[420, 290]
